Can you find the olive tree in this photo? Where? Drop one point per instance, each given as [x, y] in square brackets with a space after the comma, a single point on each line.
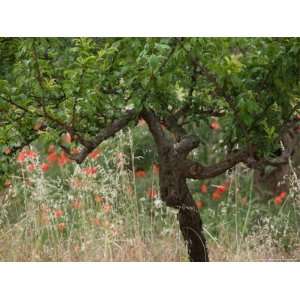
[94, 87]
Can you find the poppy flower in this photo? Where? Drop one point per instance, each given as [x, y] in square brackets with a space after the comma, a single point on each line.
[152, 193]
[52, 157]
[203, 188]
[31, 167]
[216, 195]
[221, 189]
[61, 227]
[199, 203]
[94, 154]
[63, 159]
[58, 213]
[282, 194]
[24, 154]
[45, 167]
[215, 125]
[90, 171]
[278, 200]
[140, 173]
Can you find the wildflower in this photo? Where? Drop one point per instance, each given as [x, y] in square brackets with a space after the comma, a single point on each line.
[90, 170]
[52, 157]
[58, 213]
[106, 208]
[61, 226]
[203, 188]
[99, 199]
[140, 173]
[221, 189]
[152, 193]
[94, 154]
[199, 203]
[155, 169]
[279, 199]
[24, 154]
[31, 167]
[216, 195]
[215, 125]
[45, 167]
[63, 159]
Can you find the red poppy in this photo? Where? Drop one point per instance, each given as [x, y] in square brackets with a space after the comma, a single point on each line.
[31, 167]
[152, 193]
[200, 204]
[216, 195]
[45, 167]
[282, 194]
[278, 200]
[221, 189]
[215, 125]
[90, 170]
[140, 173]
[203, 188]
[58, 213]
[63, 159]
[52, 157]
[26, 154]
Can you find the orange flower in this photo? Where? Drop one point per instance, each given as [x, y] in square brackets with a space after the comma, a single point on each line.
[58, 213]
[216, 195]
[140, 173]
[155, 169]
[61, 226]
[99, 199]
[215, 125]
[278, 200]
[63, 159]
[152, 193]
[106, 208]
[203, 188]
[45, 167]
[95, 154]
[199, 204]
[52, 157]
[90, 170]
[26, 154]
[76, 204]
[221, 189]
[31, 167]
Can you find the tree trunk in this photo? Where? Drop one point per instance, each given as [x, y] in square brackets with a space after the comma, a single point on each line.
[175, 193]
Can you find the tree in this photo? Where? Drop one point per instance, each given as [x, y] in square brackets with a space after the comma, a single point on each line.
[93, 88]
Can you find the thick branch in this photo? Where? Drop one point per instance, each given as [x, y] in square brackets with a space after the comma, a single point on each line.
[195, 170]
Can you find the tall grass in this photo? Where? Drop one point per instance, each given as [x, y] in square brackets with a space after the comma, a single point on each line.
[103, 210]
